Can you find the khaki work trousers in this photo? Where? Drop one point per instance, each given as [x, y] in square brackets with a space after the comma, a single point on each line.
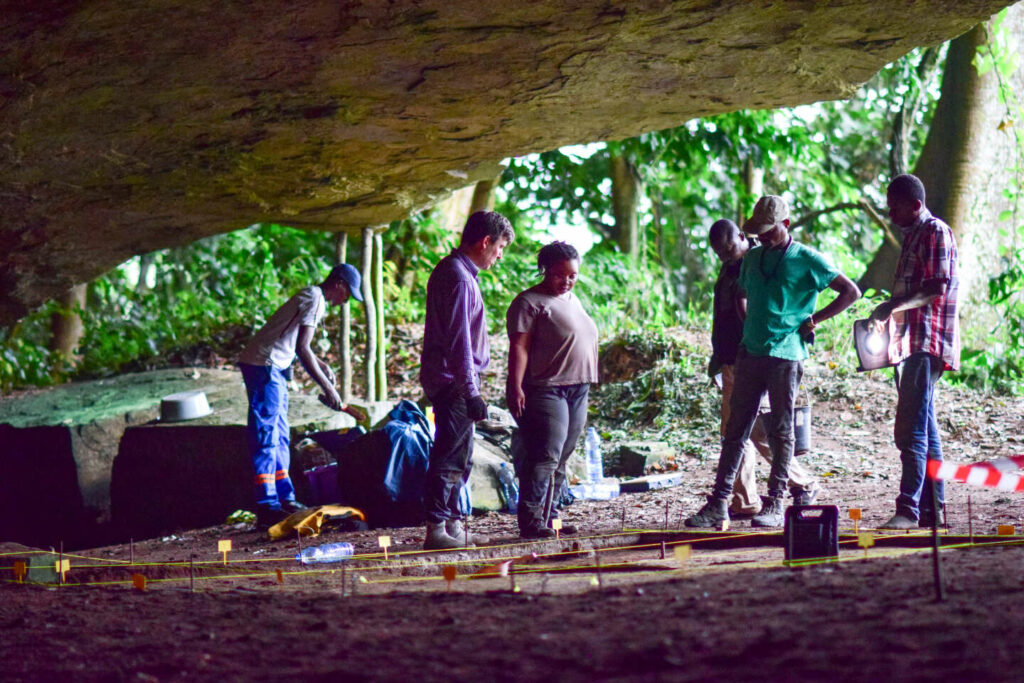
[745, 499]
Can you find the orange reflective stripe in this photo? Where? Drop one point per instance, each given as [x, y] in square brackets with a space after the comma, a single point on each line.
[281, 474]
[264, 478]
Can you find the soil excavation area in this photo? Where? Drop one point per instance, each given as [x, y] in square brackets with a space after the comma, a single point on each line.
[732, 610]
[874, 619]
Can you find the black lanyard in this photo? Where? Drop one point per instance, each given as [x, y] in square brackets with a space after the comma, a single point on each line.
[760, 261]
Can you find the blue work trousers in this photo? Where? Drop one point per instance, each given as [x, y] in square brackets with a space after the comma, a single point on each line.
[917, 434]
[268, 434]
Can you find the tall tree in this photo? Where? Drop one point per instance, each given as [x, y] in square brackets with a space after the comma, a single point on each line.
[67, 327]
[956, 150]
[626, 190]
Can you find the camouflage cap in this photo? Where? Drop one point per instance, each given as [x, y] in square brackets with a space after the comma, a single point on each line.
[769, 212]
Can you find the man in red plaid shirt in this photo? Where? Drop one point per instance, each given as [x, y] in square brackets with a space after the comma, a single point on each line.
[924, 334]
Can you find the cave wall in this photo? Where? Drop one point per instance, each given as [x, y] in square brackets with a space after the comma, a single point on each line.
[129, 127]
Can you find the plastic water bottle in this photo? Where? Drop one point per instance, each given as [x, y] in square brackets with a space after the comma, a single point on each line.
[509, 488]
[328, 552]
[595, 468]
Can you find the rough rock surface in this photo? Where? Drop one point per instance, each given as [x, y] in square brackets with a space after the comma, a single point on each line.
[128, 128]
[58, 447]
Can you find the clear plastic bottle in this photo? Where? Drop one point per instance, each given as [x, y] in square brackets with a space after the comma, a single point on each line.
[328, 552]
[509, 488]
[595, 467]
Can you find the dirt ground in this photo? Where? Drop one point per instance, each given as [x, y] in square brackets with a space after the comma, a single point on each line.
[732, 610]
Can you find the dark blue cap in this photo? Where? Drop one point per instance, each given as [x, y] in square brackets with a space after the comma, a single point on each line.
[350, 275]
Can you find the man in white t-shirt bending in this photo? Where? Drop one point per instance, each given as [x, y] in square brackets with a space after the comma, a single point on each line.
[266, 367]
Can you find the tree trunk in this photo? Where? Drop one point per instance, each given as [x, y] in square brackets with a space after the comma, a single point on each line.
[753, 184]
[899, 147]
[378, 286]
[67, 328]
[658, 218]
[146, 263]
[345, 335]
[625, 199]
[371, 315]
[483, 195]
[954, 153]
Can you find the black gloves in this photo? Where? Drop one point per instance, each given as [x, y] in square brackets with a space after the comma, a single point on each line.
[476, 409]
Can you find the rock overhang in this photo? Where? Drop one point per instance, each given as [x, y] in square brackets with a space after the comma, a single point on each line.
[125, 129]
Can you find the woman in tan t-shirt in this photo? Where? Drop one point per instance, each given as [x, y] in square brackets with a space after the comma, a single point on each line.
[552, 361]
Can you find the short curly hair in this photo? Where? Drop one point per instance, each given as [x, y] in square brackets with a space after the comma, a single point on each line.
[907, 186]
[556, 252]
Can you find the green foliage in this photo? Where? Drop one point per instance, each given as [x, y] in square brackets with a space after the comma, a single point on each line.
[412, 249]
[656, 380]
[234, 279]
[194, 292]
[996, 360]
[24, 357]
[825, 158]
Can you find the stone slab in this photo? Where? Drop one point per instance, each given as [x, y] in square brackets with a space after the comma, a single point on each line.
[632, 458]
[58, 445]
[651, 482]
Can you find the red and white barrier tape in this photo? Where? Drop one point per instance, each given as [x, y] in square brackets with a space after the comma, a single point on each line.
[994, 474]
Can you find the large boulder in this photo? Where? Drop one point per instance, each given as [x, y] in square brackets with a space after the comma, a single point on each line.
[58, 448]
[128, 127]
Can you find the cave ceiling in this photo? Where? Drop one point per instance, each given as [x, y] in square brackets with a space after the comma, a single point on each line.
[127, 127]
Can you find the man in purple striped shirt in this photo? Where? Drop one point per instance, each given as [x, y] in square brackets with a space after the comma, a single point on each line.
[924, 333]
[455, 351]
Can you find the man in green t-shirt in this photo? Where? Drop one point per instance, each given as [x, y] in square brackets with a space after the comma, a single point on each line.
[781, 280]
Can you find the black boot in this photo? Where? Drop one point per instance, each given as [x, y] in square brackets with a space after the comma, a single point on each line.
[713, 513]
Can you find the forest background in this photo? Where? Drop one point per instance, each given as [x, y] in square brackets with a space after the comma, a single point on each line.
[640, 208]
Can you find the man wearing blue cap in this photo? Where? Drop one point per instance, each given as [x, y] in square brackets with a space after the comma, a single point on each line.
[266, 368]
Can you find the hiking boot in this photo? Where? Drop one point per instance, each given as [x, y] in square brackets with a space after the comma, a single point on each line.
[806, 496]
[540, 532]
[713, 513]
[927, 519]
[899, 522]
[772, 513]
[438, 539]
[267, 517]
[291, 506]
[457, 531]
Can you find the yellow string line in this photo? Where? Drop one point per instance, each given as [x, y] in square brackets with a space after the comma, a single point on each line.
[491, 560]
[853, 556]
[522, 568]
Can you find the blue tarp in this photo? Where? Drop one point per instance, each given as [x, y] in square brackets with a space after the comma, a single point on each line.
[411, 437]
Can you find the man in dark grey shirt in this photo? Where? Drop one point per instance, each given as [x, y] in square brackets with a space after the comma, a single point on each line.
[455, 352]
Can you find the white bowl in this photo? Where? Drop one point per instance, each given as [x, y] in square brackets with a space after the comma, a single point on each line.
[187, 405]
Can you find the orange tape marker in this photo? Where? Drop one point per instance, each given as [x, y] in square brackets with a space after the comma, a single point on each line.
[449, 573]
